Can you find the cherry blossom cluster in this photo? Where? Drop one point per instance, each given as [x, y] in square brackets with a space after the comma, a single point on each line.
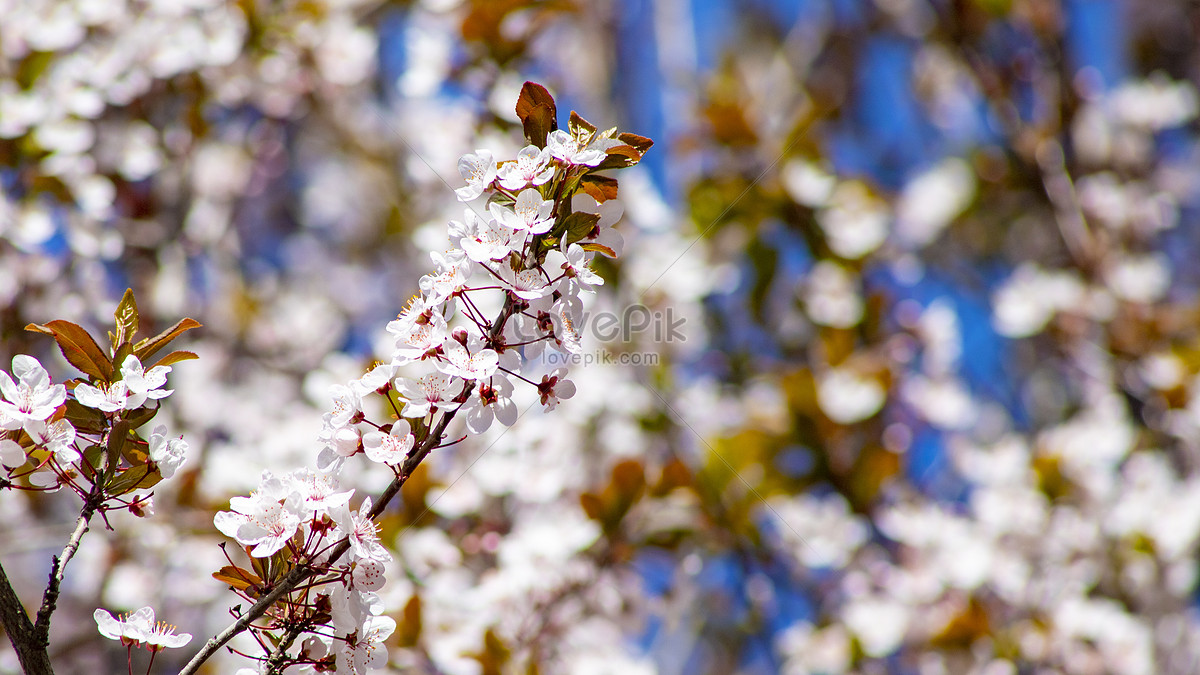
[83, 435]
[507, 289]
[139, 629]
[51, 434]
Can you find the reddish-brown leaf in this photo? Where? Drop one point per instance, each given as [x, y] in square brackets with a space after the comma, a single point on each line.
[639, 143]
[176, 357]
[148, 347]
[239, 578]
[126, 320]
[79, 348]
[537, 112]
[599, 248]
[578, 123]
[620, 157]
[601, 188]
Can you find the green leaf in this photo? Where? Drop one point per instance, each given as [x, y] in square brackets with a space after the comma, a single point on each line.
[91, 461]
[134, 450]
[537, 112]
[126, 318]
[140, 416]
[116, 441]
[567, 191]
[579, 225]
[85, 419]
[261, 565]
[123, 350]
[280, 562]
[150, 346]
[79, 348]
[139, 477]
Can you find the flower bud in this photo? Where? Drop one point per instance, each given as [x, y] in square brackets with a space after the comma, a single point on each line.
[142, 507]
[346, 441]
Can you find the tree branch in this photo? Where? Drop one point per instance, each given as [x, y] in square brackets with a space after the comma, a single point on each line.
[301, 573]
[58, 566]
[31, 652]
[30, 639]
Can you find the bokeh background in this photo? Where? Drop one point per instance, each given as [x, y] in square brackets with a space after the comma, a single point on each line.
[935, 410]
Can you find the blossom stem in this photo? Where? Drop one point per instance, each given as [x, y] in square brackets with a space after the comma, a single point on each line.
[518, 376]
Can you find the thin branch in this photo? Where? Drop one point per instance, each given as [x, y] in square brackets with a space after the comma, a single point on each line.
[301, 573]
[275, 662]
[30, 639]
[114, 439]
[58, 567]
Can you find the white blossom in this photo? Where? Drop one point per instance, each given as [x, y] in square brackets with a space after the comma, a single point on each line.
[129, 628]
[489, 239]
[555, 387]
[58, 437]
[319, 491]
[531, 167]
[576, 267]
[31, 398]
[530, 213]
[389, 448]
[362, 532]
[847, 397]
[128, 393]
[490, 401]
[167, 454]
[479, 170]
[566, 147]
[426, 394]
[459, 362]
[143, 384]
[368, 651]
[418, 337]
[139, 628]
[262, 520]
[525, 284]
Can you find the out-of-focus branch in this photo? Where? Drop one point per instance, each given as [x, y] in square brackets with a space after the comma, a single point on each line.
[1061, 190]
